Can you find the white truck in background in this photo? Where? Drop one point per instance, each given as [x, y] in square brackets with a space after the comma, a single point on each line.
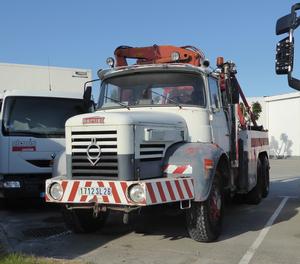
[35, 102]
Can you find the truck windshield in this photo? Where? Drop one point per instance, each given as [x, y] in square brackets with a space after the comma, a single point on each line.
[164, 88]
[38, 116]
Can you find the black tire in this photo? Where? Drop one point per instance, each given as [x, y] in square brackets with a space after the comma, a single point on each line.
[255, 195]
[265, 176]
[83, 220]
[204, 219]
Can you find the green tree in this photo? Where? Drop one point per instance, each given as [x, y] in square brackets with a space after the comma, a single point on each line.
[256, 110]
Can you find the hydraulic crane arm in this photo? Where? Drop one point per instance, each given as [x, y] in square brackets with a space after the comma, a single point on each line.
[230, 84]
[159, 54]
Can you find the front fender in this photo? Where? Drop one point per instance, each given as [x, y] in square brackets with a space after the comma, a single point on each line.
[200, 161]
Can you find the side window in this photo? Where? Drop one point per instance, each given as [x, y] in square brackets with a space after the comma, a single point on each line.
[111, 95]
[214, 93]
[112, 92]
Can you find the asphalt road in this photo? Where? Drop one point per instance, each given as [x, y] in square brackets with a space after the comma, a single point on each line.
[264, 233]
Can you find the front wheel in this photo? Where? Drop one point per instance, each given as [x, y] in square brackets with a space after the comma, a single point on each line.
[204, 219]
[83, 220]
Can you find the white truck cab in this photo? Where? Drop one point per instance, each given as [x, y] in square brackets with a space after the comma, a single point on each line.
[36, 102]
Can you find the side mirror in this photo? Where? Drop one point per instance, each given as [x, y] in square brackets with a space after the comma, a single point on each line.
[87, 97]
[284, 56]
[285, 47]
[284, 24]
[293, 82]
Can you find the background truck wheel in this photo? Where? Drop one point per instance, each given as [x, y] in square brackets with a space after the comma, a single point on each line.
[204, 219]
[255, 195]
[83, 221]
[265, 176]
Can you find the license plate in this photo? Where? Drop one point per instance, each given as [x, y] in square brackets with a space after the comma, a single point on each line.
[102, 191]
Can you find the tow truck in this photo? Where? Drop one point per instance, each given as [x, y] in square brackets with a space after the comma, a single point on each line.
[168, 131]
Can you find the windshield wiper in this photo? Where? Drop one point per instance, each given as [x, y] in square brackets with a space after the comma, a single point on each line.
[169, 99]
[118, 102]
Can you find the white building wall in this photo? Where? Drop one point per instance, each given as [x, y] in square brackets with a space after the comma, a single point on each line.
[281, 115]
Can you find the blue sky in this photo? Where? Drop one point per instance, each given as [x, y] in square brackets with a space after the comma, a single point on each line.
[84, 33]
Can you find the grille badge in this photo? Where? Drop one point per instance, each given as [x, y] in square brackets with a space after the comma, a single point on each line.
[93, 156]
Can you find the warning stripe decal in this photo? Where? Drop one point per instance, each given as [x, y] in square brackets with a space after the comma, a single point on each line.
[170, 189]
[115, 193]
[161, 192]
[73, 191]
[178, 169]
[179, 190]
[151, 192]
[188, 189]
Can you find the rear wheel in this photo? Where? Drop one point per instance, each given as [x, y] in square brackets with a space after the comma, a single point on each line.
[83, 220]
[204, 219]
[265, 176]
[255, 195]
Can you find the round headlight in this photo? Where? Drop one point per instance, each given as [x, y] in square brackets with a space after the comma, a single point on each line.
[56, 191]
[110, 62]
[136, 193]
[175, 56]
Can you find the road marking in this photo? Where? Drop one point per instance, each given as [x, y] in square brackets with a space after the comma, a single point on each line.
[65, 233]
[290, 197]
[285, 179]
[291, 179]
[251, 251]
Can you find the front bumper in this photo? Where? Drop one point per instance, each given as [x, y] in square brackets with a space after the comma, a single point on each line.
[29, 185]
[157, 191]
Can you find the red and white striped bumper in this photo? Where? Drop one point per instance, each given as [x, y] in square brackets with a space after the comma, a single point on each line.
[157, 191]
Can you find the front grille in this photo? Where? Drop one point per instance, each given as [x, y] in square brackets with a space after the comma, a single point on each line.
[151, 152]
[41, 163]
[107, 166]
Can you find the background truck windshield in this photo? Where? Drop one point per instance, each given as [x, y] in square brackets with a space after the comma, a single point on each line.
[38, 116]
[164, 88]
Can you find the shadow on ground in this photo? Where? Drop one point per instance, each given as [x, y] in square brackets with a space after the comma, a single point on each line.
[34, 228]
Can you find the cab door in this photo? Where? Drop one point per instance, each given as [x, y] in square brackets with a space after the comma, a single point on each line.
[219, 124]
